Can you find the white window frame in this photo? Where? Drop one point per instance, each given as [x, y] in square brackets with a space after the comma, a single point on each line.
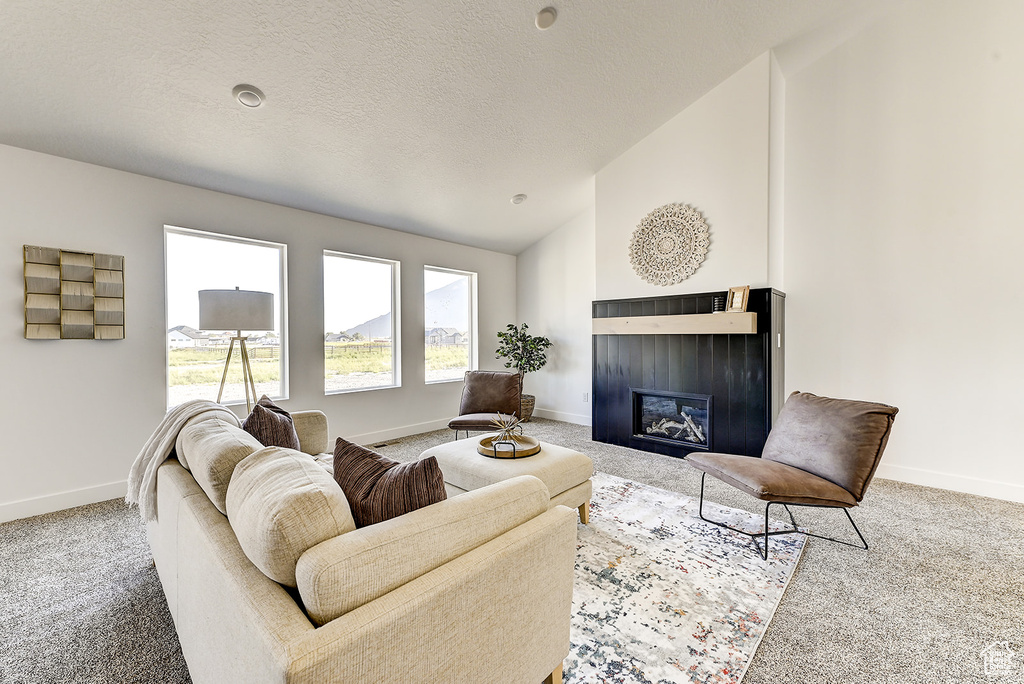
[474, 361]
[396, 324]
[282, 286]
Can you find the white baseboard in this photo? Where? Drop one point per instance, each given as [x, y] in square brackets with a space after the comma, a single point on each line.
[562, 416]
[396, 433]
[958, 483]
[48, 503]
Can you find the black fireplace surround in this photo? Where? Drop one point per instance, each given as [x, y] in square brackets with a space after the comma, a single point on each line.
[727, 386]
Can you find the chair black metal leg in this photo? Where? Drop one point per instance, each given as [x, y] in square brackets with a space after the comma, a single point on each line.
[856, 529]
[863, 543]
[753, 535]
[791, 518]
[764, 554]
[795, 529]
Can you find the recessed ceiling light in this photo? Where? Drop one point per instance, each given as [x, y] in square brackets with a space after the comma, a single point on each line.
[518, 199]
[546, 17]
[248, 96]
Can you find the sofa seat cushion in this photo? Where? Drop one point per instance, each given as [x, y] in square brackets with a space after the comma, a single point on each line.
[212, 449]
[379, 489]
[281, 503]
[771, 480]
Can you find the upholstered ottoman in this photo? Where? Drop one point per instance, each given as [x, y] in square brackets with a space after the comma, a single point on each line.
[565, 472]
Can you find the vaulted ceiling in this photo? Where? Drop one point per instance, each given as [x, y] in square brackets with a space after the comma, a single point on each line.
[421, 116]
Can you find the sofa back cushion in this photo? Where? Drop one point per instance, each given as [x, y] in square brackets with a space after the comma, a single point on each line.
[281, 503]
[179, 452]
[212, 449]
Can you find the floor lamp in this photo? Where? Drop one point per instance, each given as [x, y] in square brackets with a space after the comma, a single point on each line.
[237, 310]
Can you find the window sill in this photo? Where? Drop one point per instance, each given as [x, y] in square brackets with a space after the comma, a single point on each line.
[354, 390]
[236, 402]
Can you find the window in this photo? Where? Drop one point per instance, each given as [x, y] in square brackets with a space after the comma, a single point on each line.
[449, 316]
[360, 324]
[197, 260]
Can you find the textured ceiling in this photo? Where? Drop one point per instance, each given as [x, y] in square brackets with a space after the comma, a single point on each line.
[422, 116]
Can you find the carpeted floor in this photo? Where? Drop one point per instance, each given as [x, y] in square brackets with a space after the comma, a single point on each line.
[81, 602]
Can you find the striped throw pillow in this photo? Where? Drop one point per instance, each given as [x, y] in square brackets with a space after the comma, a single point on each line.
[271, 425]
[379, 489]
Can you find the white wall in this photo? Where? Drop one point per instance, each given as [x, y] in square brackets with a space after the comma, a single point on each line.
[556, 281]
[874, 174]
[903, 236]
[776, 176]
[712, 156]
[76, 412]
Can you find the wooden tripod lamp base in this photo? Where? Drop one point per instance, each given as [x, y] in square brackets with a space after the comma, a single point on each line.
[247, 379]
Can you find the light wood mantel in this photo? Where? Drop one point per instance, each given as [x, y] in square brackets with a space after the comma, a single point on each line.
[685, 324]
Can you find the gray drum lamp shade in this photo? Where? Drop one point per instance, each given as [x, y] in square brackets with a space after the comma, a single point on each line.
[236, 310]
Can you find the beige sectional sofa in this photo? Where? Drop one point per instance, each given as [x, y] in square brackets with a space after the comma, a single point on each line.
[477, 588]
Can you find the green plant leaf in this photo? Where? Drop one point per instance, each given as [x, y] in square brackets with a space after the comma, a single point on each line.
[523, 351]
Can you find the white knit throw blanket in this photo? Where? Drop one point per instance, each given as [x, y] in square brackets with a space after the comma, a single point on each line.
[142, 478]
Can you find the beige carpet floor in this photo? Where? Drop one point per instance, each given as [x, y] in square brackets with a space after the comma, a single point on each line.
[80, 601]
[942, 580]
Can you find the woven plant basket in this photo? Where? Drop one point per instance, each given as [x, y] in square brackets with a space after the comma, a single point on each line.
[528, 402]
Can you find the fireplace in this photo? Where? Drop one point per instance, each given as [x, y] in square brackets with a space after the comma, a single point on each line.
[672, 418]
[676, 350]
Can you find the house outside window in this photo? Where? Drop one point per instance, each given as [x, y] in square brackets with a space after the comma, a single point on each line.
[199, 260]
[449, 315]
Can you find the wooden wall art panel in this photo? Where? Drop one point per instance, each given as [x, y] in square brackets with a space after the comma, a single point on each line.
[73, 295]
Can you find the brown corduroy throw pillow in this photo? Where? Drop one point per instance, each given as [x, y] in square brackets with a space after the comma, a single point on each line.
[271, 425]
[379, 489]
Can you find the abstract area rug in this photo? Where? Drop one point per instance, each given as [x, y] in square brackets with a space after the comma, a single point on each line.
[662, 596]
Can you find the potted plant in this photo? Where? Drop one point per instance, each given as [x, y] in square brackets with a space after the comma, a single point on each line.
[525, 353]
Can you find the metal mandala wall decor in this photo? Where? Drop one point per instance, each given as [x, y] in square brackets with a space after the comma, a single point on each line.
[669, 245]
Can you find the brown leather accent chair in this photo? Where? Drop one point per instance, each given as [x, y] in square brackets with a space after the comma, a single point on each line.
[484, 396]
[820, 452]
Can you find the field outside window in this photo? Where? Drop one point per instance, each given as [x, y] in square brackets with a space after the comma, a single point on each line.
[449, 315]
[360, 325]
[196, 260]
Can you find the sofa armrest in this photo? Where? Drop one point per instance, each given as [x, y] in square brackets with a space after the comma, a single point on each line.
[311, 427]
[497, 614]
[343, 573]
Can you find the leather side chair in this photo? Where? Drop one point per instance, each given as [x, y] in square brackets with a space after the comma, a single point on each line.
[484, 396]
[821, 452]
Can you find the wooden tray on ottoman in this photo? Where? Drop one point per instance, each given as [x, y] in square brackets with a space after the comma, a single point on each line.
[524, 446]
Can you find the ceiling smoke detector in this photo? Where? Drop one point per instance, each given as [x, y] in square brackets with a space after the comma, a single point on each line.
[546, 17]
[518, 199]
[248, 96]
